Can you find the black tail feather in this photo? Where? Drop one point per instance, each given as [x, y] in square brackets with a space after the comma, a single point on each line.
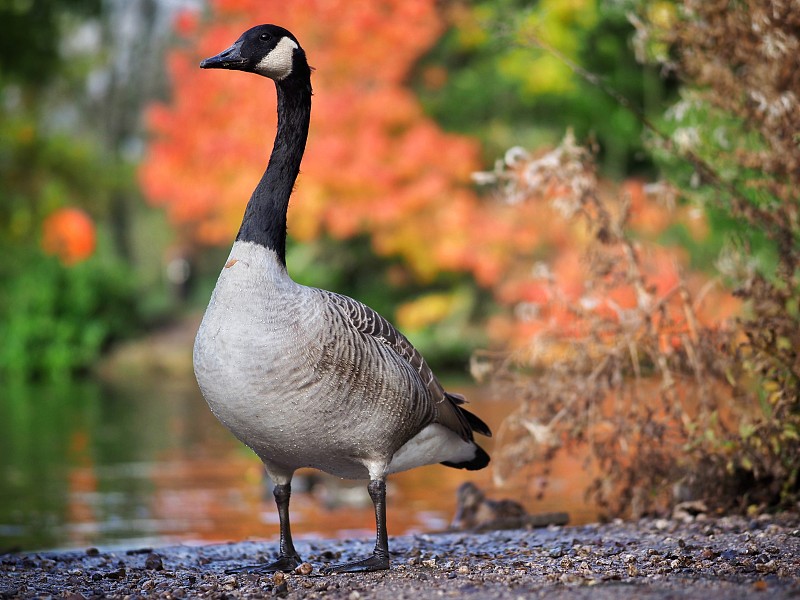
[475, 423]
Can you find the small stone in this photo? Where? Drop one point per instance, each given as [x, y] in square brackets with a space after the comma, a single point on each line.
[729, 555]
[431, 562]
[354, 595]
[304, 569]
[278, 577]
[767, 567]
[463, 570]
[116, 574]
[153, 562]
[92, 552]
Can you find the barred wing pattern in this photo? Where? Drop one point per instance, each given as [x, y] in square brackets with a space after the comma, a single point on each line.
[370, 323]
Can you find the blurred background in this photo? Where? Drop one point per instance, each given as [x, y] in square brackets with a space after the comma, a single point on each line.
[584, 214]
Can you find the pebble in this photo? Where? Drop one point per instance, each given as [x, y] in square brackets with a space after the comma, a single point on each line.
[153, 562]
[304, 569]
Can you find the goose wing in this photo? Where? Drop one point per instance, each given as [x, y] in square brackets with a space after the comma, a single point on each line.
[446, 405]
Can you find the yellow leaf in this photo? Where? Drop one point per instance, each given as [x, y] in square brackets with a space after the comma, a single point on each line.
[425, 311]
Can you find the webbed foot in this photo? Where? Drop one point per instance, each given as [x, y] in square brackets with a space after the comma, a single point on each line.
[287, 564]
[377, 562]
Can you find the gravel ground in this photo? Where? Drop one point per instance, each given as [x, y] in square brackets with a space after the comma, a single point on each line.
[729, 557]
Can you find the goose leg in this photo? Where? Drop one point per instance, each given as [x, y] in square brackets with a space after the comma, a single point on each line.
[288, 558]
[379, 560]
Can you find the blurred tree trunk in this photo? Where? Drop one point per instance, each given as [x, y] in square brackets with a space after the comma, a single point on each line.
[136, 34]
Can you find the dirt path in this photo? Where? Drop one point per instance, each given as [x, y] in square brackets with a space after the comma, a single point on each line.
[706, 559]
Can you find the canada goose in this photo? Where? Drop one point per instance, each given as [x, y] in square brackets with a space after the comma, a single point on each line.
[307, 377]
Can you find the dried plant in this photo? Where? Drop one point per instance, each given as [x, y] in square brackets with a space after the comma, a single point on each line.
[672, 401]
[627, 368]
[741, 66]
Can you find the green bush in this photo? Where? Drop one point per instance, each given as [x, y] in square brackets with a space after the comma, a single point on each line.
[55, 320]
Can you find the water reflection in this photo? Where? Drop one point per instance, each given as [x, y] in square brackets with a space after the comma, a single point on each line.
[87, 464]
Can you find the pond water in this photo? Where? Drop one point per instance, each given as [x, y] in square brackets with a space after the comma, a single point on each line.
[86, 464]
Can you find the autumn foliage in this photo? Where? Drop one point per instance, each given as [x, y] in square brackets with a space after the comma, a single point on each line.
[374, 162]
[69, 234]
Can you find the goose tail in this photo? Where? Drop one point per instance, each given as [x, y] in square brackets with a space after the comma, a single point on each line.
[481, 458]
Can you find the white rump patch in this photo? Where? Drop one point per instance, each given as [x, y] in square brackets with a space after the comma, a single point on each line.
[278, 63]
[434, 444]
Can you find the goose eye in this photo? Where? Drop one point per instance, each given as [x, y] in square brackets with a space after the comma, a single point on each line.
[264, 37]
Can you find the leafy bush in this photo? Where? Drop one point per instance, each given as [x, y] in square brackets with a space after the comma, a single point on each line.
[54, 319]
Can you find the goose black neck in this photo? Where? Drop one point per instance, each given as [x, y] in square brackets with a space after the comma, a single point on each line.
[264, 220]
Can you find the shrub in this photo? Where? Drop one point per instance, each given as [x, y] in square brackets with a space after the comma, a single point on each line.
[674, 401]
[56, 319]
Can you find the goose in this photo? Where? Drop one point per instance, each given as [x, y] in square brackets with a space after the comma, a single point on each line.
[307, 377]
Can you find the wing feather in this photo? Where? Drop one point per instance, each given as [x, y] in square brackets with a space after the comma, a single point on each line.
[368, 322]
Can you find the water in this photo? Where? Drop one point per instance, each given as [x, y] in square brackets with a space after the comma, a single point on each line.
[87, 464]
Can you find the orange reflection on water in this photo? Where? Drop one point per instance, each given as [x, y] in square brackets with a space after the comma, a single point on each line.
[81, 483]
[226, 496]
[206, 487]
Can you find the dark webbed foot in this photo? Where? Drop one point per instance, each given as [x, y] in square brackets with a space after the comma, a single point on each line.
[377, 562]
[287, 564]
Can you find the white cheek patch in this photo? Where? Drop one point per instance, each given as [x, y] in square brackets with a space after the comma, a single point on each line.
[278, 63]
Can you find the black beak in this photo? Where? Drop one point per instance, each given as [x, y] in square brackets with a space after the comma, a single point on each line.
[228, 59]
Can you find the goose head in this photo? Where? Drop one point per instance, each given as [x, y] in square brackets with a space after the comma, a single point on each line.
[267, 50]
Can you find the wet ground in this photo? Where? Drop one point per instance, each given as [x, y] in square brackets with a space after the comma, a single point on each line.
[729, 557]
